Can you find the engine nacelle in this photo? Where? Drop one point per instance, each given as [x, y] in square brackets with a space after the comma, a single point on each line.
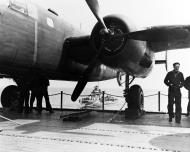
[130, 56]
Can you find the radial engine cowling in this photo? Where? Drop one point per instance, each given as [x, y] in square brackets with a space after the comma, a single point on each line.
[121, 53]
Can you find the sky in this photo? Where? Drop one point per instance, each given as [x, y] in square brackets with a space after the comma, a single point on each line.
[143, 13]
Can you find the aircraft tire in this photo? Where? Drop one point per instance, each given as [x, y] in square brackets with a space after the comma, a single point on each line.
[10, 97]
[136, 98]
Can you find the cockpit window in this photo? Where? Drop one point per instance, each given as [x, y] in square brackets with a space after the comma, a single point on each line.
[32, 11]
[19, 5]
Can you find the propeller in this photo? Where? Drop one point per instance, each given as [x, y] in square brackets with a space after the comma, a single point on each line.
[94, 7]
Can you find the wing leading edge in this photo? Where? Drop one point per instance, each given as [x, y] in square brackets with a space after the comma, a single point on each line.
[168, 38]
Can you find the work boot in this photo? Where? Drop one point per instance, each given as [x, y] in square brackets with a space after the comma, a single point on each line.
[51, 111]
[177, 119]
[170, 119]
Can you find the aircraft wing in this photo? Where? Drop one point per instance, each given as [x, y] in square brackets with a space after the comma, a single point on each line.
[162, 38]
[158, 38]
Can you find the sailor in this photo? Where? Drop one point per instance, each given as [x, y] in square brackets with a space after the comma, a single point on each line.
[43, 85]
[187, 86]
[34, 86]
[174, 80]
[23, 85]
[188, 106]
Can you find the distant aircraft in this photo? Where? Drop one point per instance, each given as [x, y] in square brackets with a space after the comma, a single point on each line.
[35, 41]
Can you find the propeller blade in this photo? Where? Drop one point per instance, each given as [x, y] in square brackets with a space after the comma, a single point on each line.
[83, 81]
[158, 34]
[78, 89]
[94, 7]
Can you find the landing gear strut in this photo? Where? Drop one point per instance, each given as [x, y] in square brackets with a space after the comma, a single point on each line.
[10, 97]
[135, 98]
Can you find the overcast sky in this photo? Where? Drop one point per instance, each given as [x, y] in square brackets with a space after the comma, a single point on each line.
[143, 13]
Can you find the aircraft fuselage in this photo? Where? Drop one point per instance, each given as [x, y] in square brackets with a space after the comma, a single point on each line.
[34, 40]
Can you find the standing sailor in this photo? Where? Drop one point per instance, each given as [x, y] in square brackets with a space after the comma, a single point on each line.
[174, 80]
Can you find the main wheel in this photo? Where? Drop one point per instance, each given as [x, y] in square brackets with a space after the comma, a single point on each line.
[136, 98]
[10, 97]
